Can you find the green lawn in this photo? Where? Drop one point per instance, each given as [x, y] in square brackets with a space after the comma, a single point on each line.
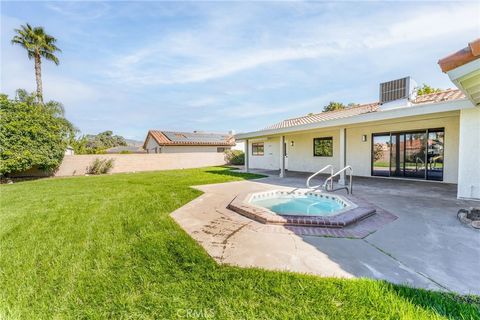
[106, 247]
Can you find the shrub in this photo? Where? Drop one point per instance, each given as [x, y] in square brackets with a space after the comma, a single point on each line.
[100, 166]
[32, 135]
[235, 157]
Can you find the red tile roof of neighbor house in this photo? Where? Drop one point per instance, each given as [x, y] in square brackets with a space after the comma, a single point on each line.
[171, 138]
[459, 58]
[445, 95]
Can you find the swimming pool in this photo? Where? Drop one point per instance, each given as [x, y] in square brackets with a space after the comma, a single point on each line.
[304, 205]
[300, 203]
[299, 207]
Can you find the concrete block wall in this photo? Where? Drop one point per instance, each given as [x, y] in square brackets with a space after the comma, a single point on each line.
[78, 164]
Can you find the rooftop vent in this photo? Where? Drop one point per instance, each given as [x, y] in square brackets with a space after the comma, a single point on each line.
[399, 89]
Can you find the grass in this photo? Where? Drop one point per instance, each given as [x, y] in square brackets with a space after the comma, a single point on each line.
[105, 247]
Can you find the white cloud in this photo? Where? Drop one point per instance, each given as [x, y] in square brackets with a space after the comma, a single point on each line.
[80, 10]
[207, 54]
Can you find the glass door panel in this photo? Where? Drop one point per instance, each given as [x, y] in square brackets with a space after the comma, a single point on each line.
[415, 155]
[435, 155]
[381, 155]
[395, 168]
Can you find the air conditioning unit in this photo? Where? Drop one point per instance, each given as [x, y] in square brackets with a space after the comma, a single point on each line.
[400, 89]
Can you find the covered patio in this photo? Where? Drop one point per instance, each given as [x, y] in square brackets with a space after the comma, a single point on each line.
[424, 246]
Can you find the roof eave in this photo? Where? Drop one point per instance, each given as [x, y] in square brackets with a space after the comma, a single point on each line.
[421, 109]
[467, 79]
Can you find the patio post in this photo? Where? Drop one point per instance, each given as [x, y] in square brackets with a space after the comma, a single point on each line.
[282, 157]
[342, 154]
[247, 165]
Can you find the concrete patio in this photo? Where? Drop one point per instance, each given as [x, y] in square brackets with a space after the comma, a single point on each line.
[426, 246]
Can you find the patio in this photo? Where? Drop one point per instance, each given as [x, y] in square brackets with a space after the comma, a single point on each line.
[426, 246]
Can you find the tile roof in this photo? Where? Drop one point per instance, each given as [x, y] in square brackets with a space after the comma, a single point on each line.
[446, 95]
[173, 138]
[461, 57]
[324, 116]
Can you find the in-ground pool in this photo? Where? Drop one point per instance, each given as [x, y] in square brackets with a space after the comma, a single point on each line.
[299, 207]
[302, 205]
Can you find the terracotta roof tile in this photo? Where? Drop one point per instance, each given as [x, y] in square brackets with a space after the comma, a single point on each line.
[324, 116]
[446, 95]
[172, 138]
[461, 57]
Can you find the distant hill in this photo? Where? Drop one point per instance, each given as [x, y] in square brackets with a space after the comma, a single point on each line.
[134, 143]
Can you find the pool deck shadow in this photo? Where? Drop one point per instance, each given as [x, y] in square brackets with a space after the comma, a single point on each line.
[425, 247]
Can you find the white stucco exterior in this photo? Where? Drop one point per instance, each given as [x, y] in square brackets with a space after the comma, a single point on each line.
[357, 152]
[469, 154]
[271, 157]
[460, 120]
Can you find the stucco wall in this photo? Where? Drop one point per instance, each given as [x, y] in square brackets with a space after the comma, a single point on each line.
[183, 149]
[271, 158]
[151, 144]
[300, 156]
[77, 164]
[469, 154]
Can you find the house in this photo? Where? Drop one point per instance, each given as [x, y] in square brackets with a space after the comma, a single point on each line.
[176, 142]
[402, 136]
[69, 151]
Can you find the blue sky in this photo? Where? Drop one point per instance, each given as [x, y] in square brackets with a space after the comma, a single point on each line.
[218, 66]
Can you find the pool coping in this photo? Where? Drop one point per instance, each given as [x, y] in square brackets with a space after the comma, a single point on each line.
[357, 212]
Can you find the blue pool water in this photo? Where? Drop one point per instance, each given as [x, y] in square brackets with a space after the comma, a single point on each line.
[300, 205]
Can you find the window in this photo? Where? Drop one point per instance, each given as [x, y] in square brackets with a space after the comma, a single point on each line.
[219, 150]
[257, 149]
[323, 147]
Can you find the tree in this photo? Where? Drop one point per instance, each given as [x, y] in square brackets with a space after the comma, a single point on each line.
[93, 144]
[38, 44]
[32, 135]
[332, 106]
[426, 89]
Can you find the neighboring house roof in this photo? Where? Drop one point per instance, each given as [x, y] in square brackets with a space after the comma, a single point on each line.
[119, 149]
[446, 95]
[461, 57]
[171, 138]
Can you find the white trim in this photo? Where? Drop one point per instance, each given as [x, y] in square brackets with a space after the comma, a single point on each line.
[420, 109]
[461, 71]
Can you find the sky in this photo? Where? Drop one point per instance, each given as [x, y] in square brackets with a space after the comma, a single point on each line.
[219, 66]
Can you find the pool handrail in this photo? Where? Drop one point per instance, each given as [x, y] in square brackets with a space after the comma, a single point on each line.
[317, 173]
[330, 179]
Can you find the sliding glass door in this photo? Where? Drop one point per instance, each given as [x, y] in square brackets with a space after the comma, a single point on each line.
[381, 155]
[435, 155]
[415, 147]
[412, 154]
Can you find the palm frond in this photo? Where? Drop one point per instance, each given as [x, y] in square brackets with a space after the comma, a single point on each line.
[50, 56]
[36, 41]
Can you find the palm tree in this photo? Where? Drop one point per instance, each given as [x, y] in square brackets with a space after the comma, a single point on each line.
[38, 44]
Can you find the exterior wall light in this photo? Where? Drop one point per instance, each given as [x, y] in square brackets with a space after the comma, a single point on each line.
[364, 138]
[292, 143]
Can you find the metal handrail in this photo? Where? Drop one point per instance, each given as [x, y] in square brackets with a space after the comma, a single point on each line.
[349, 188]
[317, 173]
